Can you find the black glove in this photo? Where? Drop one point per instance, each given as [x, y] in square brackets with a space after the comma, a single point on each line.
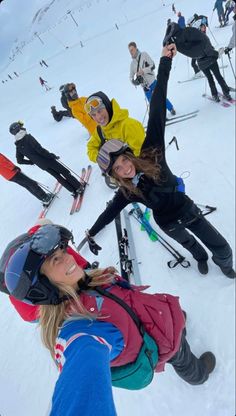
[227, 50]
[93, 246]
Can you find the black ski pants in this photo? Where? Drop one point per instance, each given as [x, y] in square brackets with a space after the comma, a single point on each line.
[29, 184]
[190, 368]
[215, 70]
[64, 176]
[194, 221]
[195, 66]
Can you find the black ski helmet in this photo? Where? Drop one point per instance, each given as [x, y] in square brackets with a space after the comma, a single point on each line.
[68, 88]
[16, 127]
[22, 275]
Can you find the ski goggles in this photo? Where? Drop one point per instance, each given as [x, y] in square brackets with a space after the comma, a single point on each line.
[49, 238]
[93, 104]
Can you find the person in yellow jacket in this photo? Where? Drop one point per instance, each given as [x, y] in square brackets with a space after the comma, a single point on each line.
[76, 105]
[113, 123]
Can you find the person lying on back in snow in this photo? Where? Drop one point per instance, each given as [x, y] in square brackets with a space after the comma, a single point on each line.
[148, 179]
[30, 312]
[194, 43]
[76, 105]
[99, 329]
[30, 152]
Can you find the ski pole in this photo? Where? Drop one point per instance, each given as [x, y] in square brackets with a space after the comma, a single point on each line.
[208, 207]
[179, 258]
[231, 65]
[45, 187]
[147, 109]
[213, 36]
[72, 171]
[211, 16]
[173, 140]
[222, 62]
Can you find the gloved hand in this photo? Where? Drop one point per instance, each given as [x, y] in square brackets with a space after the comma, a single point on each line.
[93, 246]
[227, 50]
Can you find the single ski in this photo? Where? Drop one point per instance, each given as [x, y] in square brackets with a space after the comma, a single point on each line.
[77, 201]
[169, 122]
[55, 192]
[137, 214]
[182, 115]
[122, 238]
[132, 251]
[221, 102]
[86, 180]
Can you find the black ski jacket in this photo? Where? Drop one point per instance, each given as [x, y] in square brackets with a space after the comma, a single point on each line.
[193, 43]
[167, 204]
[36, 155]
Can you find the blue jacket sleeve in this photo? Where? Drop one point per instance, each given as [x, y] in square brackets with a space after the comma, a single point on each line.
[84, 385]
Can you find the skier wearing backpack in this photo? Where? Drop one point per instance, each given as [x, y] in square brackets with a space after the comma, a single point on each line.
[30, 152]
[98, 327]
[149, 180]
[13, 173]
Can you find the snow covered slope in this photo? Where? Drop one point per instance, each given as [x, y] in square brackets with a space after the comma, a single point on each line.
[94, 55]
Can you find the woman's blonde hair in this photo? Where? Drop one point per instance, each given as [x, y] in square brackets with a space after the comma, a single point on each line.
[51, 317]
[147, 163]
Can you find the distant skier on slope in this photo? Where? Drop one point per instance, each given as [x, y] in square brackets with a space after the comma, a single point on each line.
[44, 84]
[30, 152]
[13, 173]
[220, 11]
[99, 329]
[149, 180]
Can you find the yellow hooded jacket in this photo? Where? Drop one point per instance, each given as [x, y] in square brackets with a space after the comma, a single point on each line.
[121, 127]
[78, 111]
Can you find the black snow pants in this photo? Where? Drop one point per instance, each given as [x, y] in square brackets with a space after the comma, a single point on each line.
[194, 221]
[195, 66]
[187, 366]
[29, 184]
[214, 69]
[63, 176]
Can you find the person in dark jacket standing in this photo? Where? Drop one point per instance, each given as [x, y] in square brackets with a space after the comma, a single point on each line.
[209, 66]
[220, 11]
[13, 173]
[181, 20]
[89, 332]
[30, 152]
[149, 180]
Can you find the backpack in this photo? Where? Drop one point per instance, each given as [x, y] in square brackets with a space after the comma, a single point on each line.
[138, 374]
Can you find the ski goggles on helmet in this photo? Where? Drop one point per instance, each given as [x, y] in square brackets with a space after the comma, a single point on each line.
[93, 104]
[22, 275]
[109, 152]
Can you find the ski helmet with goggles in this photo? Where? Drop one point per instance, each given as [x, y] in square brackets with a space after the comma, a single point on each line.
[22, 275]
[16, 127]
[109, 152]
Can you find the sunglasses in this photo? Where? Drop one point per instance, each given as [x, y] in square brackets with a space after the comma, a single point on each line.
[94, 104]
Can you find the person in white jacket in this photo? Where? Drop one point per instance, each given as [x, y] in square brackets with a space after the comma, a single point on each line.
[142, 73]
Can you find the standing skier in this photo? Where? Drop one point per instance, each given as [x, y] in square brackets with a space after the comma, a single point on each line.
[28, 147]
[142, 73]
[13, 173]
[220, 11]
[181, 20]
[149, 180]
[76, 105]
[98, 328]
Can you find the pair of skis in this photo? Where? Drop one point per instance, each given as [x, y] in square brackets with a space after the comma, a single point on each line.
[223, 102]
[180, 118]
[84, 178]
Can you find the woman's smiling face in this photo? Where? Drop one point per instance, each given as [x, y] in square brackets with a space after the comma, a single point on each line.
[123, 168]
[61, 267]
